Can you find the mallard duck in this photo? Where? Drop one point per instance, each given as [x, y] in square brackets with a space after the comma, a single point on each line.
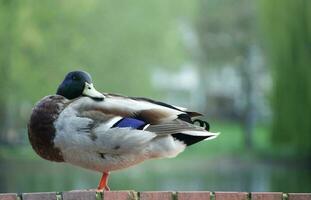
[106, 132]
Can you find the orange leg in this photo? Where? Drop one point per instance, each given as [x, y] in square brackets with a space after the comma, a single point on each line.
[103, 184]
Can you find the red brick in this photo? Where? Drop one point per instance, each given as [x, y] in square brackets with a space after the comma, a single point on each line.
[299, 196]
[156, 196]
[79, 195]
[267, 195]
[119, 195]
[39, 196]
[230, 196]
[8, 196]
[199, 195]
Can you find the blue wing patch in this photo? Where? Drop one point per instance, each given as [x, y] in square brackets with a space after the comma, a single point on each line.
[130, 123]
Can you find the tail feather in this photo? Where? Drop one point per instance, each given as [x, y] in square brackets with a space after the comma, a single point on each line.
[189, 139]
[198, 133]
[212, 137]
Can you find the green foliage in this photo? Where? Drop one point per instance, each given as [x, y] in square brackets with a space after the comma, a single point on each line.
[7, 33]
[287, 30]
[226, 30]
[117, 42]
[109, 39]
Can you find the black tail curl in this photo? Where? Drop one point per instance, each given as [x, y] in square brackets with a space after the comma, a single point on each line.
[190, 139]
[203, 124]
[199, 122]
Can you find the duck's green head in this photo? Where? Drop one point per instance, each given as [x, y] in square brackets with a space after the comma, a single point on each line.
[76, 84]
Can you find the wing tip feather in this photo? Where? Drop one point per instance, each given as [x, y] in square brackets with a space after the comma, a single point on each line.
[215, 135]
[194, 114]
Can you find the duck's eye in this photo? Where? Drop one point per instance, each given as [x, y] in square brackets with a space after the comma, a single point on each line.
[89, 87]
[74, 78]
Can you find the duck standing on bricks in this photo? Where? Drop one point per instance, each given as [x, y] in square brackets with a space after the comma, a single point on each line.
[106, 132]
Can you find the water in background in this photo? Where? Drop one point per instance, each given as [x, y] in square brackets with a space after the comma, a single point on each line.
[168, 174]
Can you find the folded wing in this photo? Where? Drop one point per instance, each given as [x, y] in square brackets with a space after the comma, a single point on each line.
[148, 115]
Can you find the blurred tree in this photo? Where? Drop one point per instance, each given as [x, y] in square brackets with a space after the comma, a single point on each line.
[117, 42]
[109, 39]
[227, 36]
[7, 31]
[287, 29]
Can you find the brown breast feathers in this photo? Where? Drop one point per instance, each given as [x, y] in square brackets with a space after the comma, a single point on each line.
[41, 131]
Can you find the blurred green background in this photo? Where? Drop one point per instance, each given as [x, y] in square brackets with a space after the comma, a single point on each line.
[245, 64]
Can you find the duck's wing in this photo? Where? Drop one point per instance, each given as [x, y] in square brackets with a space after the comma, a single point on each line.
[117, 111]
[147, 110]
[185, 110]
